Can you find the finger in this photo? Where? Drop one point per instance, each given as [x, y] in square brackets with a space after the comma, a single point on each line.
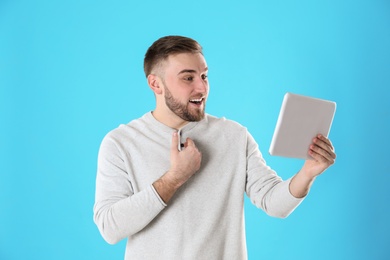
[318, 157]
[324, 150]
[325, 139]
[189, 142]
[325, 144]
[320, 154]
[175, 142]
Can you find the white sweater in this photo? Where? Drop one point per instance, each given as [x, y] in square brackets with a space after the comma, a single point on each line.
[205, 218]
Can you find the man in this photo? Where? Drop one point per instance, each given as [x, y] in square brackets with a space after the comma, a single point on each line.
[173, 181]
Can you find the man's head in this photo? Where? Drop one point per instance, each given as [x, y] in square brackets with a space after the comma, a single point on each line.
[161, 49]
[177, 73]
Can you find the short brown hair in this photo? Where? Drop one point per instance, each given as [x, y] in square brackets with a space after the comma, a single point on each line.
[168, 45]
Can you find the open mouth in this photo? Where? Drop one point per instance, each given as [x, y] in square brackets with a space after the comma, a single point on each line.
[196, 101]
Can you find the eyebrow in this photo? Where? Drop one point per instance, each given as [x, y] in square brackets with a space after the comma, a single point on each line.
[190, 71]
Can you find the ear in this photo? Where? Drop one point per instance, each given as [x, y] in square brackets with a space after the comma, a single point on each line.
[155, 84]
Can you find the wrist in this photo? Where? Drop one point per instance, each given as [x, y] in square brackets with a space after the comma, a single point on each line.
[170, 179]
[305, 176]
[166, 186]
[300, 184]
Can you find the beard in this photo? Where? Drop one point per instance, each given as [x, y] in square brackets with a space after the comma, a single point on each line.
[181, 110]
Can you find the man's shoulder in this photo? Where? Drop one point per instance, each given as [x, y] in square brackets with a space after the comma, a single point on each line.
[224, 122]
[127, 130]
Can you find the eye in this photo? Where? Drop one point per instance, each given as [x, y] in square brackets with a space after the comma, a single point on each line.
[204, 76]
[189, 78]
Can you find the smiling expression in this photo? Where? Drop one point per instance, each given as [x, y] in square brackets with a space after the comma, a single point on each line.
[186, 85]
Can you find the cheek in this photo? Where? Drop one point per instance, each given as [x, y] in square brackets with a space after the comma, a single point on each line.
[181, 94]
[207, 89]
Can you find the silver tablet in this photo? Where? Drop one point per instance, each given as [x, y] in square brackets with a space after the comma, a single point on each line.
[300, 119]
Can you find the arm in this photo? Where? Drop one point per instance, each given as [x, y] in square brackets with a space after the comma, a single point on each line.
[118, 211]
[184, 164]
[322, 152]
[264, 187]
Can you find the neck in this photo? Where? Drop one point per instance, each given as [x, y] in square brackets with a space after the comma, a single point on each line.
[172, 120]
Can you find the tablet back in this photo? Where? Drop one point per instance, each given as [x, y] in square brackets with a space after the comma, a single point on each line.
[300, 119]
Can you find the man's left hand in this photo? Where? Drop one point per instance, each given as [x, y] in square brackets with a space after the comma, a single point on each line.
[323, 154]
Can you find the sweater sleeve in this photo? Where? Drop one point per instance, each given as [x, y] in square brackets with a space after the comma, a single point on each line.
[264, 187]
[118, 211]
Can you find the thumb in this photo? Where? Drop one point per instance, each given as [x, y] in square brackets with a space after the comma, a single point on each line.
[175, 143]
[189, 142]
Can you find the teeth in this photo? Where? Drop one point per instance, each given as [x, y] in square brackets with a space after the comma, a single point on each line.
[196, 100]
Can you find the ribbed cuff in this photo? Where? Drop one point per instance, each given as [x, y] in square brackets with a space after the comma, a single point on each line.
[158, 196]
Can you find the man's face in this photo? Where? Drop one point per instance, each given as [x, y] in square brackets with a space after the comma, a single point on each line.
[185, 85]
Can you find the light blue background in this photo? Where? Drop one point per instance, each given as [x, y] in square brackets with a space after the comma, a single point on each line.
[70, 71]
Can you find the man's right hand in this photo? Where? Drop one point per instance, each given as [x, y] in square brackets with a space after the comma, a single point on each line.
[184, 164]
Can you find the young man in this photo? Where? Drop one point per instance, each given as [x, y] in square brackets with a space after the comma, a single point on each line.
[173, 181]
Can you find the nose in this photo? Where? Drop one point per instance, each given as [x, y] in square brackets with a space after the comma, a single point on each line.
[202, 85]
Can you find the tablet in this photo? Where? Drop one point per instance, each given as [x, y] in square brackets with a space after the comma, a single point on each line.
[300, 119]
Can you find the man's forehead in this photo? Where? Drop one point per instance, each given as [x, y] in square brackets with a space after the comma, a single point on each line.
[186, 61]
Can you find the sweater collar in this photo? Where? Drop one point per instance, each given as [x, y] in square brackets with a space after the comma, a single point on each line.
[150, 118]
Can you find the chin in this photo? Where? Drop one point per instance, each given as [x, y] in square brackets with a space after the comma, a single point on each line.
[194, 117]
